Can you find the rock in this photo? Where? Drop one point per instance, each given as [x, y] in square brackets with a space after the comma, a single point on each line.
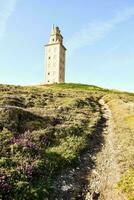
[66, 187]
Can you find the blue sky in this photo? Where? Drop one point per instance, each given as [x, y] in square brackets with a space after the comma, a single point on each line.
[99, 36]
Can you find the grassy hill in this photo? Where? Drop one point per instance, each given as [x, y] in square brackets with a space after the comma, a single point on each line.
[46, 129]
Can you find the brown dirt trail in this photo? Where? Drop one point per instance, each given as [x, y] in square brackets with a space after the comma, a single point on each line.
[97, 173]
[106, 173]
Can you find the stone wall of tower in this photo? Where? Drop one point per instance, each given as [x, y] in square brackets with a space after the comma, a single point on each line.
[55, 58]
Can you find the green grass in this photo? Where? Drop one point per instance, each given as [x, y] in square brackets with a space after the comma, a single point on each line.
[76, 86]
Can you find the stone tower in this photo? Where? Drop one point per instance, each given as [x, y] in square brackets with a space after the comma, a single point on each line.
[55, 58]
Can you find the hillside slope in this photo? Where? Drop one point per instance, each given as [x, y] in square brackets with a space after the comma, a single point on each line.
[66, 141]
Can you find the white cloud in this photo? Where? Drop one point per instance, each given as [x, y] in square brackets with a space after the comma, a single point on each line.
[7, 7]
[97, 30]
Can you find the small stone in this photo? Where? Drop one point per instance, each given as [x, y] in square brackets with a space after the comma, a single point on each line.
[66, 187]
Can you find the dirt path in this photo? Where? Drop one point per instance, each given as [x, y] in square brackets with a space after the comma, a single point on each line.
[96, 175]
[105, 175]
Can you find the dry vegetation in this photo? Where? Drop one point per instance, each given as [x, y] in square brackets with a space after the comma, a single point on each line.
[44, 130]
[122, 107]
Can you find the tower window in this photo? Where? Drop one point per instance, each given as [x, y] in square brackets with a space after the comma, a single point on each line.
[48, 73]
[53, 39]
[49, 57]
